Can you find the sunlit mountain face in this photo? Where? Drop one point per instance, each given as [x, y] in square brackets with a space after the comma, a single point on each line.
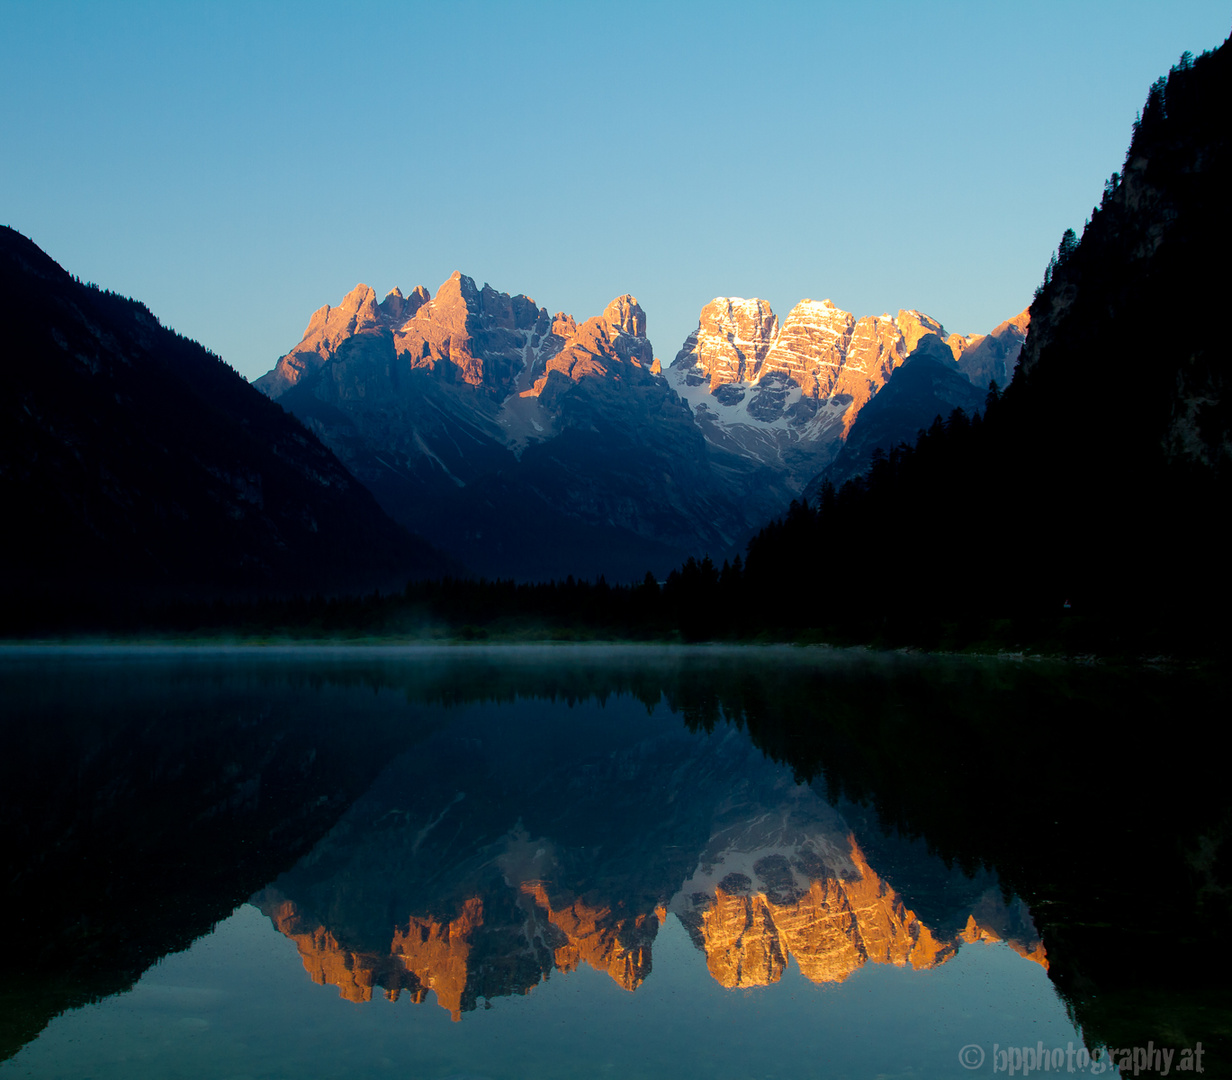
[714, 837]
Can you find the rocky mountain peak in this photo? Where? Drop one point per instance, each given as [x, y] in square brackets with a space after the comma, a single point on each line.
[811, 346]
[875, 349]
[626, 315]
[397, 308]
[496, 308]
[476, 330]
[732, 338]
[564, 326]
[459, 300]
[788, 395]
[824, 350]
[913, 325]
[612, 347]
[993, 356]
[453, 300]
[328, 328]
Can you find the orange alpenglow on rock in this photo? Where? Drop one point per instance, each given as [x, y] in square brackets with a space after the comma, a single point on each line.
[484, 338]
[914, 325]
[328, 963]
[818, 902]
[609, 346]
[827, 351]
[812, 346]
[846, 916]
[328, 328]
[831, 930]
[732, 339]
[428, 955]
[823, 349]
[436, 954]
[397, 307]
[605, 939]
[877, 346]
[444, 330]
[788, 395]
[625, 314]
[985, 357]
[424, 332]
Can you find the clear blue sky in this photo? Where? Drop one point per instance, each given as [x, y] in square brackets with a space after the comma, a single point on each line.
[236, 166]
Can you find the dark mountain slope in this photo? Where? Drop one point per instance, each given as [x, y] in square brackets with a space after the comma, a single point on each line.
[136, 466]
[927, 385]
[1125, 491]
[1105, 469]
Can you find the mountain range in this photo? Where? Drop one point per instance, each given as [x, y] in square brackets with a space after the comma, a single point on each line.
[534, 446]
[516, 444]
[791, 395]
[531, 446]
[522, 444]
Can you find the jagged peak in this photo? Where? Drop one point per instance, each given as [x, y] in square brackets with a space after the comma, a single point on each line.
[465, 284]
[740, 303]
[811, 309]
[913, 325]
[564, 325]
[961, 343]
[398, 308]
[358, 296]
[723, 310]
[454, 290]
[625, 315]
[457, 283]
[357, 308]
[1019, 322]
[824, 312]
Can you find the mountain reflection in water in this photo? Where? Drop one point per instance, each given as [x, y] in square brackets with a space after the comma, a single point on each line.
[470, 821]
[757, 867]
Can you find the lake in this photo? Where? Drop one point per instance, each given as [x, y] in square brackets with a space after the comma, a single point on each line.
[608, 861]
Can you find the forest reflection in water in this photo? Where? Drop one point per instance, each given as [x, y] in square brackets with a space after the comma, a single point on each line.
[456, 825]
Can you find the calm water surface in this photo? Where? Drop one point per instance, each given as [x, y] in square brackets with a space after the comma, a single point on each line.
[578, 862]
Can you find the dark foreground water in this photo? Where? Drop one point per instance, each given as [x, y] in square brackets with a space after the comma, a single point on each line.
[607, 862]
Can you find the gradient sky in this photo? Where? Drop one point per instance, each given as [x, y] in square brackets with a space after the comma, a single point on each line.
[237, 166]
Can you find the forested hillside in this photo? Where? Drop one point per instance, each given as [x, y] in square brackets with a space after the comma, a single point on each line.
[1101, 477]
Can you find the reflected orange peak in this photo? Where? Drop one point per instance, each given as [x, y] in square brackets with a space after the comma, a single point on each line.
[427, 955]
[612, 942]
[830, 930]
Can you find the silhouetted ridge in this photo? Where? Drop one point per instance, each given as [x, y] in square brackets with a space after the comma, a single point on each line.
[136, 465]
[1095, 485]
